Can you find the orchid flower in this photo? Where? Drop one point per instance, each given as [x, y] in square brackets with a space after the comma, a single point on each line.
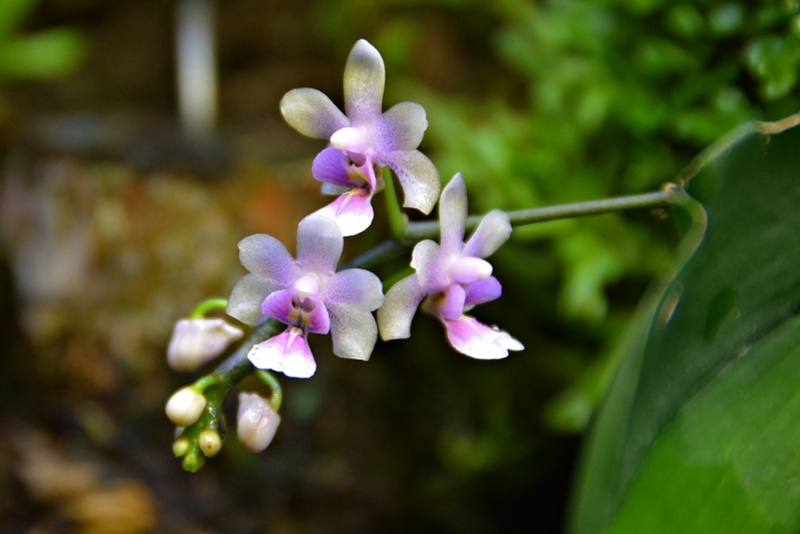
[453, 277]
[363, 141]
[306, 294]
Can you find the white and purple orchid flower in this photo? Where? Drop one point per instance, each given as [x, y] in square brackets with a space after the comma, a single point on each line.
[363, 141]
[308, 295]
[453, 277]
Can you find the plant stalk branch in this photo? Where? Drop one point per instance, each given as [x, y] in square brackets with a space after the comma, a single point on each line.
[669, 194]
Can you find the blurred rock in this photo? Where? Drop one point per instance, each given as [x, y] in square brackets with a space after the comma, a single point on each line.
[79, 491]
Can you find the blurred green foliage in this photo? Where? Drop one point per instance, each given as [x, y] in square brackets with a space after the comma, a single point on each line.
[569, 100]
[40, 55]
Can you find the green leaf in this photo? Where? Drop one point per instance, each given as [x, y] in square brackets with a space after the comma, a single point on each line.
[42, 55]
[701, 429]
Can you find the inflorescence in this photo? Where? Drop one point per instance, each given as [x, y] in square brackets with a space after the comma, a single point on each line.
[272, 309]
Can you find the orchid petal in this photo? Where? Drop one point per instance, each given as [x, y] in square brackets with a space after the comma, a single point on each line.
[493, 230]
[452, 307]
[244, 302]
[286, 353]
[319, 321]
[331, 166]
[481, 291]
[357, 288]
[424, 253]
[265, 256]
[418, 177]
[319, 244]
[354, 332]
[401, 127]
[364, 79]
[453, 214]
[470, 337]
[312, 113]
[399, 307]
[279, 306]
[352, 211]
[425, 260]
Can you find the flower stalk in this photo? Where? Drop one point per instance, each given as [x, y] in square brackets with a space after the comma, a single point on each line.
[397, 221]
[276, 399]
[670, 193]
[414, 232]
[209, 305]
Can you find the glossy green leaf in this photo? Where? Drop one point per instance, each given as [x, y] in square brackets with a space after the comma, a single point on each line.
[701, 429]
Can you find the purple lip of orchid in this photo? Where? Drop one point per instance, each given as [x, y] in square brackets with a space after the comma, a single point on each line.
[452, 277]
[306, 294]
[363, 141]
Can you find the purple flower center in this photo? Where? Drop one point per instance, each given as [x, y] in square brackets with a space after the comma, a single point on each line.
[356, 142]
[305, 292]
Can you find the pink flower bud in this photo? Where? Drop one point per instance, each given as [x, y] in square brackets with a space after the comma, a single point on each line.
[185, 406]
[257, 422]
[195, 342]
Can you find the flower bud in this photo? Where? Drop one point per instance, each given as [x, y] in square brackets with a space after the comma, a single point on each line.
[181, 446]
[185, 406]
[195, 342]
[257, 422]
[193, 461]
[210, 442]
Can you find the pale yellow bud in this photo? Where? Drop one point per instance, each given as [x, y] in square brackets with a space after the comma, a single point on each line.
[181, 446]
[210, 442]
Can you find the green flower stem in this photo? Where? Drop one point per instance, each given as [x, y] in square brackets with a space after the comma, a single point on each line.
[669, 194]
[397, 221]
[277, 393]
[417, 231]
[208, 305]
[237, 367]
[389, 249]
[187, 445]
